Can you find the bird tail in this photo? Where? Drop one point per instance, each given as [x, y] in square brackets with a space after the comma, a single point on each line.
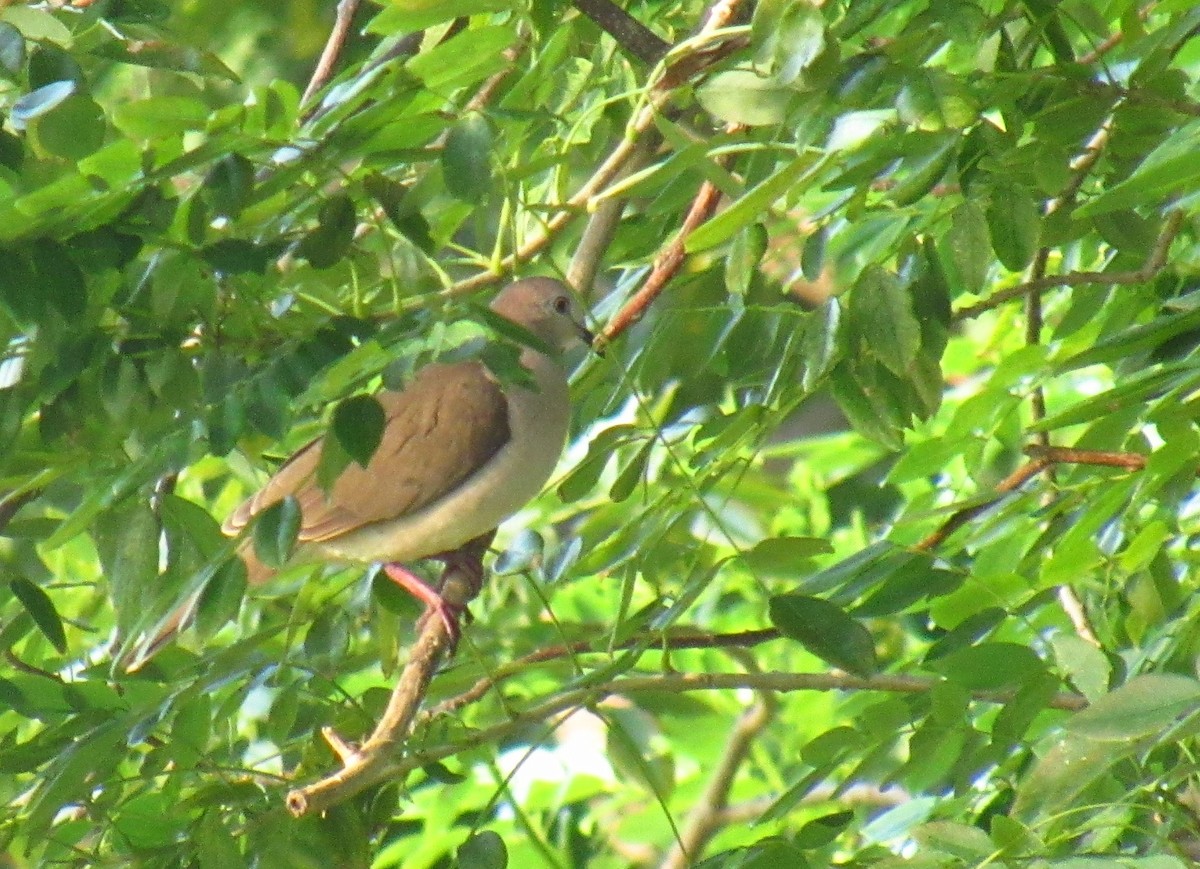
[181, 617]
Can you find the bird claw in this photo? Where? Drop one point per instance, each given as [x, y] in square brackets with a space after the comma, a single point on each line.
[435, 604]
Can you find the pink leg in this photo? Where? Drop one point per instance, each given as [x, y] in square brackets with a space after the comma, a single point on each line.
[427, 595]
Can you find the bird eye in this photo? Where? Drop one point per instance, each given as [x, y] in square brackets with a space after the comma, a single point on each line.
[562, 305]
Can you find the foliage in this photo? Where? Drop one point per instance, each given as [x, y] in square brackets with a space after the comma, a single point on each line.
[949, 231]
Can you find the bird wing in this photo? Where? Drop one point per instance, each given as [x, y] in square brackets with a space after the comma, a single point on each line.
[449, 422]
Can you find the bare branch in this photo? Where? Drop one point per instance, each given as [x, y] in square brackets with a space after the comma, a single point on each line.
[679, 683]
[332, 50]
[705, 818]
[633, 36]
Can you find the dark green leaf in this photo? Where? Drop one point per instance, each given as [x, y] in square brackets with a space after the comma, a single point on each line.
[483, 850]
[358, 424]
[467, 158]
[275, 532]
[826, 631]
[883, 315]
[812, 258]
[331, 240]
[39, 605]
[400, 208]
[1015, 225]
[59, 278]
[229, 185]
[631, 474]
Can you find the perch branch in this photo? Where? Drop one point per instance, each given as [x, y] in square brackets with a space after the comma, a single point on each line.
[684, 640]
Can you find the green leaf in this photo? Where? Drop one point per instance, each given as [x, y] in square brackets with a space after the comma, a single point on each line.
[745, 254]
[400, 208]
[882, 313]
[784, 556]
[483, 850]
[467, 158]
[229, 184]
[1015, 223]
[826, 631]
[59, 278]
[412, 15]
[159, 117]
[741, 96]
[967, 251]
[989, 666]
[812, 257]
[74, 129]
[12, 50]
[631, 474]
[39, 605]
[325, 246]
[275, 532]
[933, 154]
[821, 345]
[757, 200]
[1145, 705]
[358, 424]
[800, 40]
[1170, 167]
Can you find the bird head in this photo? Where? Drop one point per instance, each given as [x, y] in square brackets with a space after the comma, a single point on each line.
[547, 308]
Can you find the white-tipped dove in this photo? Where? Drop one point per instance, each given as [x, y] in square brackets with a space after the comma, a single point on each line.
[460, 452]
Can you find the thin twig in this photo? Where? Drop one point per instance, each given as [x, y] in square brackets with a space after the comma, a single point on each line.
[633, 36]
[1043, 456]
[11, 504]
[601, 227]
[1153, 265]
[333, 49]
[1113, 41]
[666, 266]
[685, 639]
[643, 119]
[678, 683]
[959, 518]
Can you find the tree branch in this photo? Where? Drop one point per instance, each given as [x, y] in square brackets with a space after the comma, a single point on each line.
[371, 762]
[332, 50]
[1153, 265]
[696, 56]
[633, 36]
[679, 683]
[705, 818]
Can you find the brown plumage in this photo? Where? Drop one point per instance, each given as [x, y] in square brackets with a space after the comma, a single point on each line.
[426, 453]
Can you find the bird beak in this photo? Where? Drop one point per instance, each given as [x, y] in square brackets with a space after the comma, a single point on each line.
[588, 337]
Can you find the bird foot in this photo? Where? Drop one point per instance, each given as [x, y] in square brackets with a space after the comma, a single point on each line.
[434, 602]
